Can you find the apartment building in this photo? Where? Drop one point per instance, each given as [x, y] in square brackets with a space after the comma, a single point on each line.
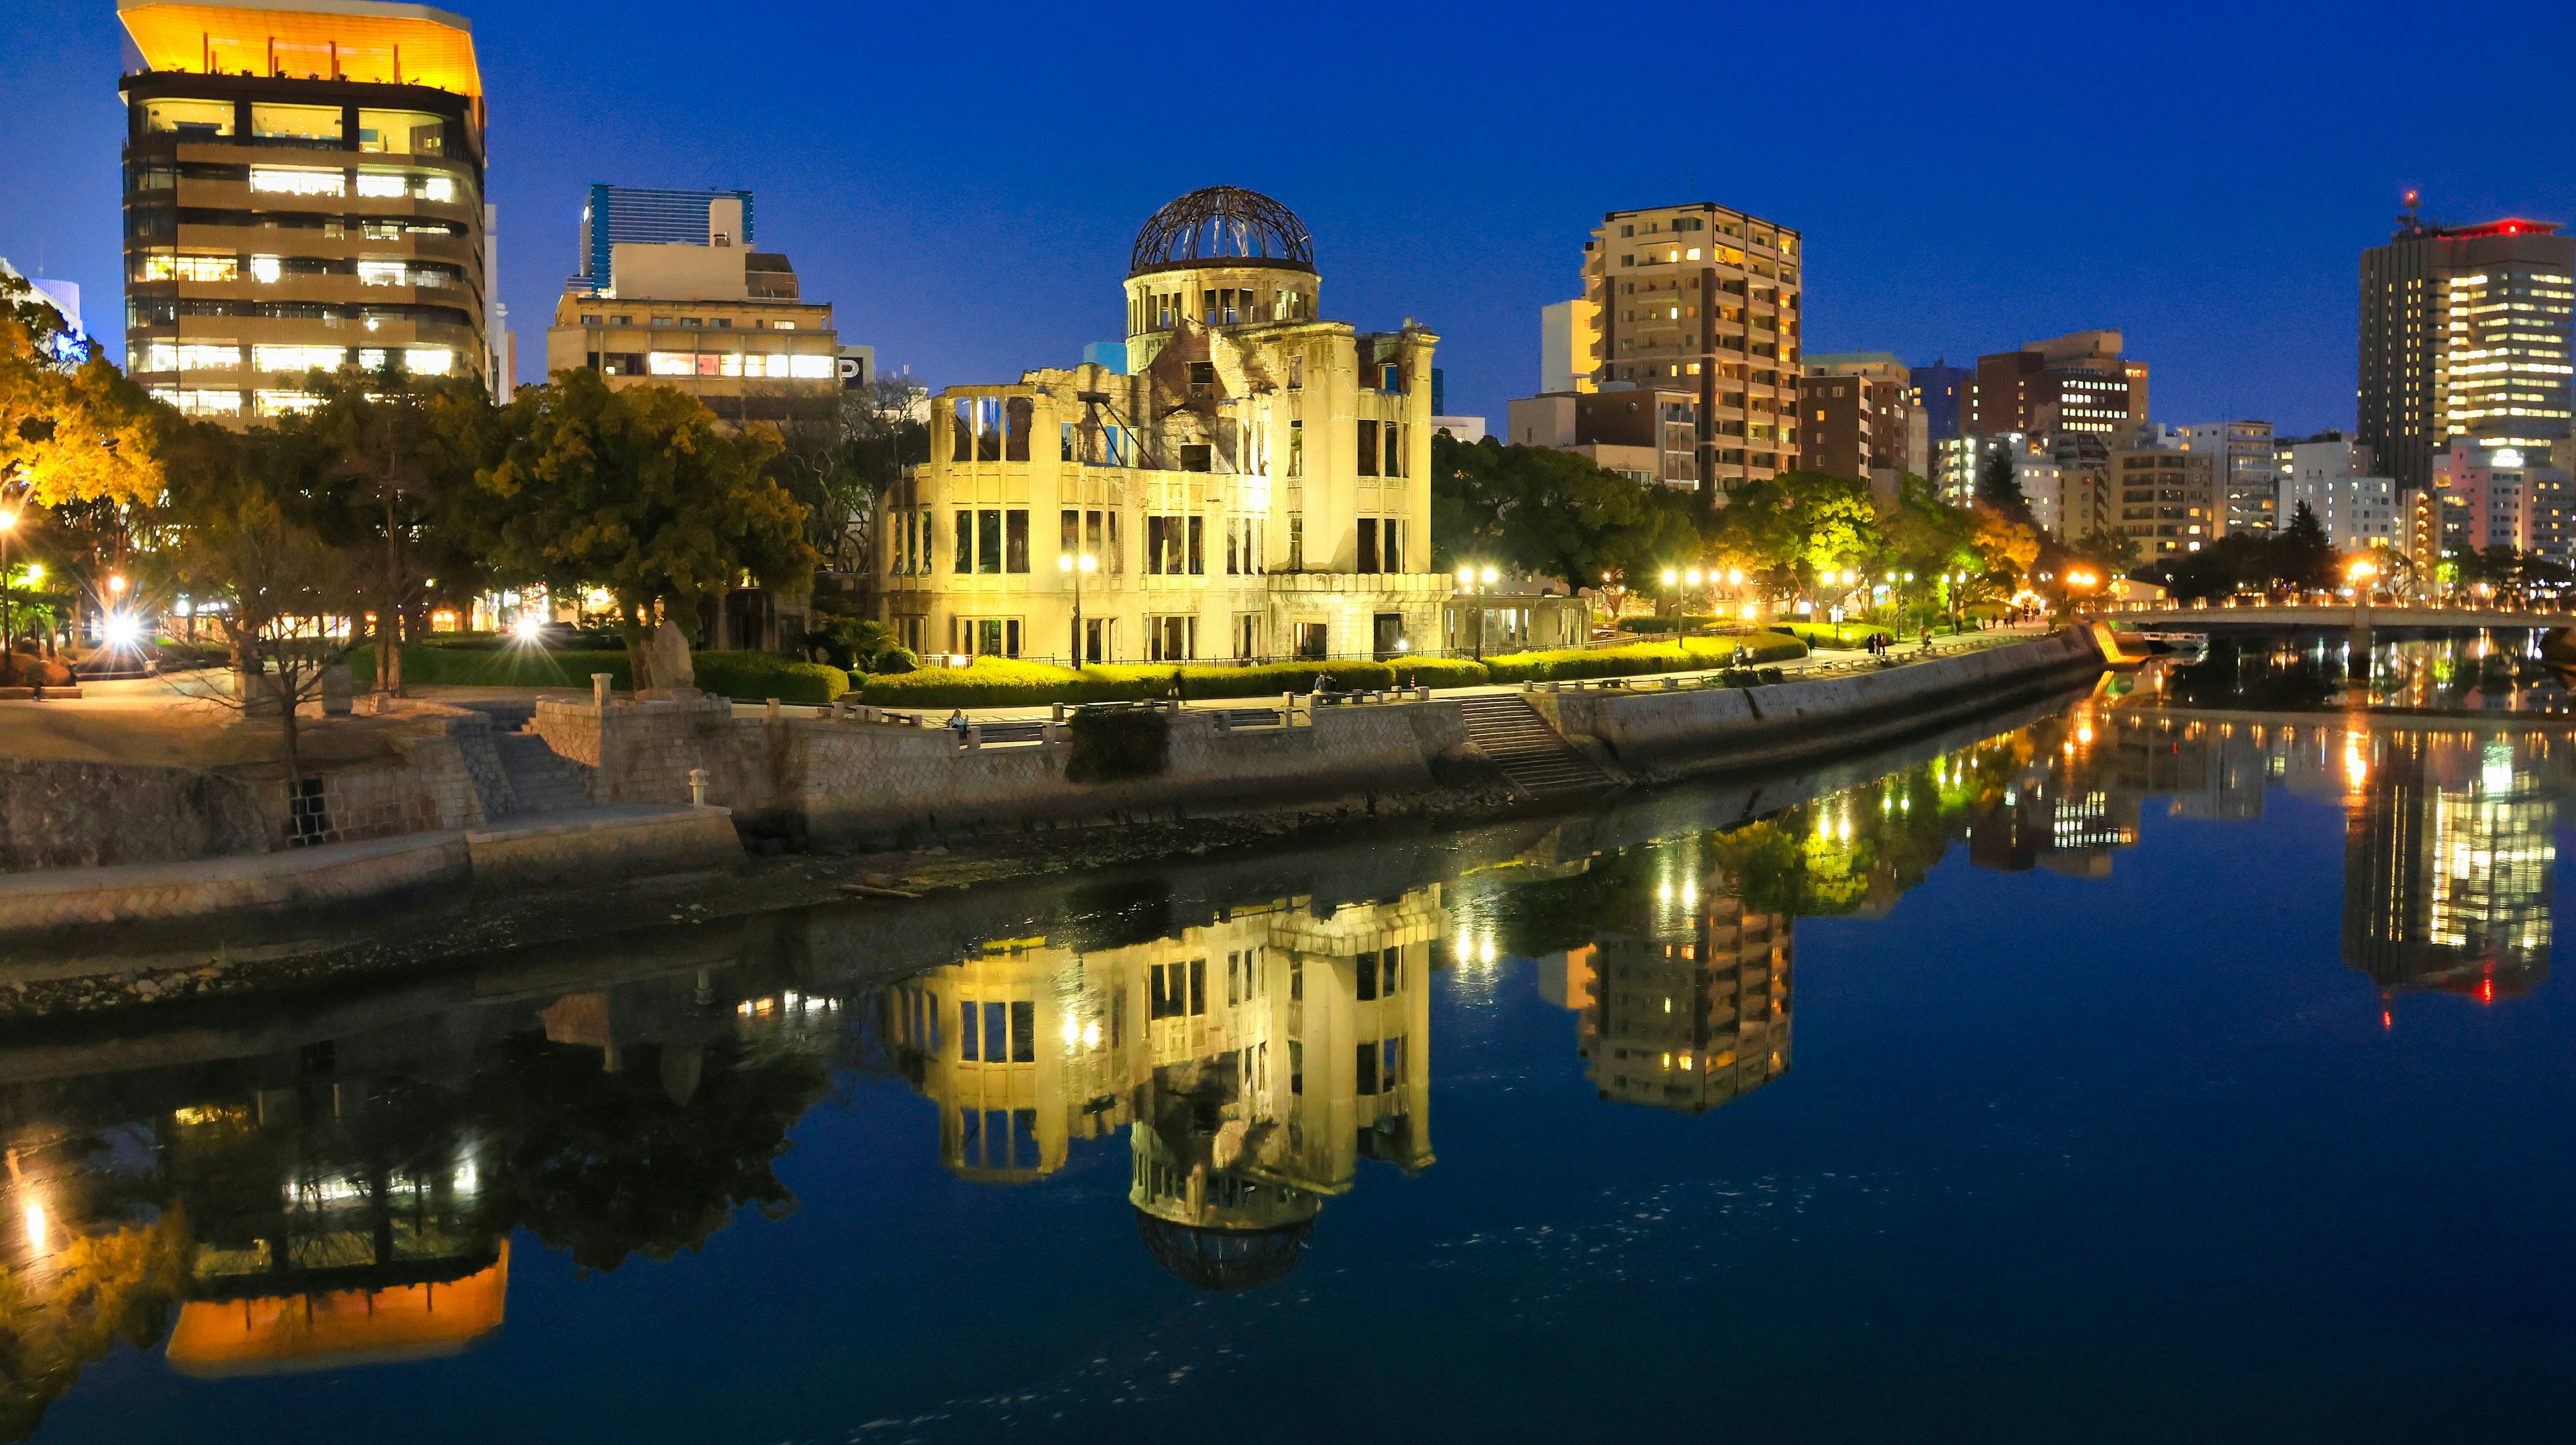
[2465, 332]
[1704, 299]
[709, 317]
[2169, 499]
[304, 190]
[2333, 476]
[1860, 417]
[2246, 474]
[1646, 434]
[1256, 484]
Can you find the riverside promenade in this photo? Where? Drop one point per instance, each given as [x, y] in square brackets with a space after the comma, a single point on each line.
[477, 794]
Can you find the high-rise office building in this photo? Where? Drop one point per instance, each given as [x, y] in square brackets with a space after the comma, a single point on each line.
[1940, 389]
[1704, 299]
[303, 191]
[2465, 332]
[2079, 382]
[2249, 487]
[645, 216]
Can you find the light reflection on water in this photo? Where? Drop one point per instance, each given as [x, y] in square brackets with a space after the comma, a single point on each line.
[1231, 1083]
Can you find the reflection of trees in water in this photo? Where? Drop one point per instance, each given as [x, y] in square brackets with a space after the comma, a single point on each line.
[334, 1184]
[67, 1311]
[604, 1165]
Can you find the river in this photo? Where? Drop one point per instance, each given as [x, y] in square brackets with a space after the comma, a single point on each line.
[2182, 1060]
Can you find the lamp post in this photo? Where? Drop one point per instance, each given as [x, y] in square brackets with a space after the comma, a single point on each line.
[8, 587]
[1075, 567]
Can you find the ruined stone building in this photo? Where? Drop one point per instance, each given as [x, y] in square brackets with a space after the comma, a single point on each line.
[1247, 480]
[1251, 1062]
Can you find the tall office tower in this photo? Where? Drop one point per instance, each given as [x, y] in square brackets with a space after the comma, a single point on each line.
[2249, 487]
[1704, 299]
[2420, 806]
[1691, 1009]
[640, 215]
[303, 190]
[1942, 388]
[2465, 333]
[2078, 382]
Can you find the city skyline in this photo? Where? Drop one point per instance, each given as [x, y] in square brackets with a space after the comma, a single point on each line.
[895, 191]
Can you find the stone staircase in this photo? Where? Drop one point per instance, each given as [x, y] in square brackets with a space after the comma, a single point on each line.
[541, 780]
[1532, 755]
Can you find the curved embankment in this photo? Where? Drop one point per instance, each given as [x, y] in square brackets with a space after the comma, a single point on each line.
[866, 784]
[1656, 735]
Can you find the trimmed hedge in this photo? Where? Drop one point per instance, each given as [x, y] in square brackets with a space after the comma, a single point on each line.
[1642, 657]
[1002, 682]
[752, 675]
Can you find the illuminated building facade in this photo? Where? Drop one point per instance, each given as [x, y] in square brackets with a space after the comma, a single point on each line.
[1255, 484]
[1704, 299]
[2334, 477]
[2465, 333]
[2249, 485]
[2079, 382]
[2170, 499]
[1251, 1062]
[612, 216]
[303, 190]
[1862, 418]
[2501, 497]
[707, 316]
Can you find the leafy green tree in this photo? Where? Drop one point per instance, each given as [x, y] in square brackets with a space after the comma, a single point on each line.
[69, 431]
[1540, 512]
[2303, 556]
[1999, 488]
[642, 493]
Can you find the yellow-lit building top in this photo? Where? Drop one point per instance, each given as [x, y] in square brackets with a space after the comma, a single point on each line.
[284, 1334]
[366, 40]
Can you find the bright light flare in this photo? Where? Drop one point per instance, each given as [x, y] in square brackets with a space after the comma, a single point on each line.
[528, 629]
[121, 630]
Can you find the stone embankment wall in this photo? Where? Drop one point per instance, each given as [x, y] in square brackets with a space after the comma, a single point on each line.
[77, 814]
[860, 783]
[1656, 735]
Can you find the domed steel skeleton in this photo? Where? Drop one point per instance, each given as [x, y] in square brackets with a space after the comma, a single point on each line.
[1219, 224]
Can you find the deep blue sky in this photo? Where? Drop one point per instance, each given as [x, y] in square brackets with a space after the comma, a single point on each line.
[962, 182]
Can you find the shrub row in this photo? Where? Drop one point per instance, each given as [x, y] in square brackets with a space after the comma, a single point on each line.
[751, 675]
[1640, 657]
[1001, 682]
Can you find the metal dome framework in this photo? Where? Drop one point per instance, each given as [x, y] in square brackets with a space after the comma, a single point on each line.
[1226, 1261]
[1222, 224]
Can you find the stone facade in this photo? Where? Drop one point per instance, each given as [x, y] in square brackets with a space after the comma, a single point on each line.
[1185, 501]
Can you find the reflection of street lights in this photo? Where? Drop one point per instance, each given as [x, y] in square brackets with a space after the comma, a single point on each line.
[1074, 567]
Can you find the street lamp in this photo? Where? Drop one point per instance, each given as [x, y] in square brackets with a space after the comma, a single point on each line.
[8, 587]
[1074, 567]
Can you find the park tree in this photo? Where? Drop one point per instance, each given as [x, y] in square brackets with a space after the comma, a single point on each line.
[642, 493]
[1999, 488]
[390, 462]
[1539, 512]
[72, 428]
[2303, 557]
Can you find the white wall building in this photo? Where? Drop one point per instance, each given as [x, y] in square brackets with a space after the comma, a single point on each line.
[2249, 488]
[2331, 474]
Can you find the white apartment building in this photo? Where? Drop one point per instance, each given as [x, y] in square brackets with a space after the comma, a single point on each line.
[2332, 476]
[2247, 480]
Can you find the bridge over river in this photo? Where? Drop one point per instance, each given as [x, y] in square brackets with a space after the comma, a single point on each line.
[2360, 619]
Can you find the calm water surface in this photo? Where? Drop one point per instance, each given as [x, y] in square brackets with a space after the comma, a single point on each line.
[2167, 1068]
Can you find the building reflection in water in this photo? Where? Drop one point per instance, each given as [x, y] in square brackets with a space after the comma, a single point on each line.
[1688, 1006]
[2450, 823]
[1251, 1062]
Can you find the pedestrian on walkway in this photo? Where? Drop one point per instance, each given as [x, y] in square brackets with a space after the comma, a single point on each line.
[957, 722]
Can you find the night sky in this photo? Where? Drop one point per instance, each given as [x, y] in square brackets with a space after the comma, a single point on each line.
[962, 183]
